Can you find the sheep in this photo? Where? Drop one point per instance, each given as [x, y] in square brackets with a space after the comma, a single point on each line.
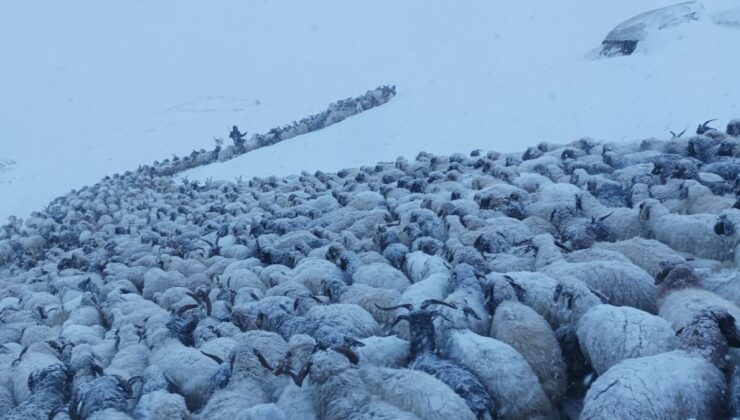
[681, 296]
[49, 388]
[623, 283]
[683, 383]
[648, 254]
[381, 276]
[724, 283]
[340, 392]
[170, 355]
[422, 357]
[161, 405]
[416, 392]
[103, 393]
[532, 289]
[694, 234]
[247, 383]
[529, 333]
[697, 198]
[608, 334]
[506, 375]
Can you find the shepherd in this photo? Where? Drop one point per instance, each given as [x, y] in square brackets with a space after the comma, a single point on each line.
[238, 138]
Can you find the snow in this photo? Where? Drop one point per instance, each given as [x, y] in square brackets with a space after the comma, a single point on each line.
[91, 88]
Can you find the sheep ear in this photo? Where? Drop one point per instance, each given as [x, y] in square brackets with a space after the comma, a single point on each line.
[558, 291]
[351, 356]
[729, 330]
[644, 211]
[719, 228]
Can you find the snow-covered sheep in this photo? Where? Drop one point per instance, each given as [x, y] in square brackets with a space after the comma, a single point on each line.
[681, 296]
[169, 354]
[340, 392]
[608, 334]
[416, 392]
[160, 405]
[693, 233]
[422, 356]
[697, 198]
[529, 333]
[49, 391]
[683, 383]
[648, 254]
[725, 283]
[506, 375]
[623, 283]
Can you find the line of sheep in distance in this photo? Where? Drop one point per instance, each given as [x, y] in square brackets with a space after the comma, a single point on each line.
[589, 279]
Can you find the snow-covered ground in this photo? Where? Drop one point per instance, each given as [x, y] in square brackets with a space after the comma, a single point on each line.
[88, 88]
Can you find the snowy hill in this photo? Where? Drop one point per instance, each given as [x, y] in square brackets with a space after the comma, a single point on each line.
[90, 89]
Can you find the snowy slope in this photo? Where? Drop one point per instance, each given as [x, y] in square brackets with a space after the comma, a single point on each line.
[89, 88]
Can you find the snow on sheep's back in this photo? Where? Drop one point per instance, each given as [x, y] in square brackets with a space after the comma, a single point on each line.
[90, 88]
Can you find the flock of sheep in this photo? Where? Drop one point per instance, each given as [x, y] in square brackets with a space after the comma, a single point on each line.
[587, 279]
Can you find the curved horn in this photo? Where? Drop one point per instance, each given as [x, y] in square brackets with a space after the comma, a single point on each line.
[428, 302]
[265, 364]
[399, 319]
[349, 354]
[604, 298]
[213, 356]
[406, 306]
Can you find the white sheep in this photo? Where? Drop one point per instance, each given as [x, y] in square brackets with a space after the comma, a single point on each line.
[168, 353]
[681, 296]
[683, 383]
[161, 405]
[416, 392]
[623, 283]
[692, 233]
[506, 375]
[534, 290]
[340, 392]
[608, 334]
[529, 333]
[648, 254]
[698, 198]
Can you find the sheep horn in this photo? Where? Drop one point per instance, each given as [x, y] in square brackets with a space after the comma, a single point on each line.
[519, 290]
[561, 246]
[428, 302]
[468, 311]
[298, 379]
[406, 306]
[134, 379]
[213, 356]
[186, 308]
[441, 315]
[53, 413]
[351, 342]
[604, 298]
[265, 364]
[399, 319]
[347, 352]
